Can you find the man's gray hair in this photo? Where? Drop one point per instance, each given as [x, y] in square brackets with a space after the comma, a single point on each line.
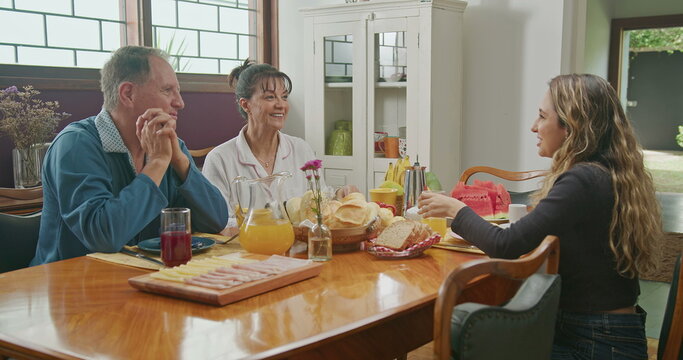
[129, 63]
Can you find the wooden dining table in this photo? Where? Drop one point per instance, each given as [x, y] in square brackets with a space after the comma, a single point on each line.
[359, 307]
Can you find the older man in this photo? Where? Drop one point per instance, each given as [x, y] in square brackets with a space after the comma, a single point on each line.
[107, 177]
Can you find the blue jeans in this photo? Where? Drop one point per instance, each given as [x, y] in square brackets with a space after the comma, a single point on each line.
[600, 336]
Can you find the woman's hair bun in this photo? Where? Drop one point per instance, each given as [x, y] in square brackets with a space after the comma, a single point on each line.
[235, 73]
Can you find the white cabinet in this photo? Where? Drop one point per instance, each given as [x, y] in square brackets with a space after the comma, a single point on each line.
[390, 67]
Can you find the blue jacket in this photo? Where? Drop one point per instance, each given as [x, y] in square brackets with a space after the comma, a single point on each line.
[94, 201]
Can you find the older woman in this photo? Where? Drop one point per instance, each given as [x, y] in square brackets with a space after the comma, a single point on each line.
[260, 149]
[600, 201]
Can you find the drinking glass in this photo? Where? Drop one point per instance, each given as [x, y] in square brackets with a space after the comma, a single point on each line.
[176, 236]
[438, 225]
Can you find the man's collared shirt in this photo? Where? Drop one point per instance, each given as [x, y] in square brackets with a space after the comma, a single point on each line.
[110, 136]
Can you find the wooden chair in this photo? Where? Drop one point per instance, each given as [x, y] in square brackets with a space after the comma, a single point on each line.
[671, 336]
[503, 174]
[516, 197]
[21, 201]
[497, 280]
[22, 194]
[201, 152]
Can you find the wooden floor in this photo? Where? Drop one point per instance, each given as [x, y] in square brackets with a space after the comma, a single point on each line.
[426, 352]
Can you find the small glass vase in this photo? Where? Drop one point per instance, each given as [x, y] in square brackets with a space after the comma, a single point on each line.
[27, 165]
[319, 242]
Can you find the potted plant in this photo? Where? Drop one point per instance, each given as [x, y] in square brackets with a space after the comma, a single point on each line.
[30, 123]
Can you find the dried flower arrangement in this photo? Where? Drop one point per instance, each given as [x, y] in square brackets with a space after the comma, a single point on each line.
[28, 121]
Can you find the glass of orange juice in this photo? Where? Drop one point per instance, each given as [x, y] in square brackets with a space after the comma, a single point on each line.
[437, 224]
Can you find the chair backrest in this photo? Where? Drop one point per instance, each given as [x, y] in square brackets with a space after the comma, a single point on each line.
[503, 174]
[22, 194]
[201, 152]
[671, 336]
[18, 240]
[488, 282]
[515, 197]
[523, 328]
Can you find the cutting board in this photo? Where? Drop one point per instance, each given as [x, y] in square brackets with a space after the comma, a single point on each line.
[225, 296]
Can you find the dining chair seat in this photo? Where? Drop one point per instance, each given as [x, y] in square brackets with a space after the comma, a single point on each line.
[521, 329]
[500, 294]
[18, 240]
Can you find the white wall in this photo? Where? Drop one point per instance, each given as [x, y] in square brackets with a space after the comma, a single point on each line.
[511, 50]
[598, 19]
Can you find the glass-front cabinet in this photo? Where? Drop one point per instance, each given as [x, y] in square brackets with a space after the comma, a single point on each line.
[383, 80]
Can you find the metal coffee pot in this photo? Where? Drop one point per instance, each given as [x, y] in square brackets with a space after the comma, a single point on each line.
[414, 185]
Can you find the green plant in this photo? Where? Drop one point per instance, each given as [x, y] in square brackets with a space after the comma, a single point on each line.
[175, 52]
[679, 137]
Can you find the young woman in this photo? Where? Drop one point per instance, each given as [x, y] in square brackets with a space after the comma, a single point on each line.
[599, 200]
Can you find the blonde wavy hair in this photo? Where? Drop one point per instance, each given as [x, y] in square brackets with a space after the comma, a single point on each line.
[599, 134]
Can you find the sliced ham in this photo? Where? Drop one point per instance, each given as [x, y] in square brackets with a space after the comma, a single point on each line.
[260, 267]
[203, 283]
[227, 277]
[253, 275]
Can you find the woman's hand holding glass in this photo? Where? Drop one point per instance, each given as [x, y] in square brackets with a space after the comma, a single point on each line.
[438, 205]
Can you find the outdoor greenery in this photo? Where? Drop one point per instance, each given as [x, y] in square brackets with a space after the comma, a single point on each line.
[679, 137]
[664, 39]
[174, 49]
[666, 168]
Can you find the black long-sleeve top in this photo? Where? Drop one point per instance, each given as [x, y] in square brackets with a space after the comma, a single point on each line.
[578, 210]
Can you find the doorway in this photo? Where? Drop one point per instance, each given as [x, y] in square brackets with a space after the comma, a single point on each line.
[646, 68]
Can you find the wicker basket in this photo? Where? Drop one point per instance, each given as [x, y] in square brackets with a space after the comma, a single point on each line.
[343, 239]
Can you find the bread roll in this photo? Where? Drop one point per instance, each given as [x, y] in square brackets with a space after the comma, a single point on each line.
[354, 196]
[371, 210]
[292, 206]
[352, 213]
[385, 216]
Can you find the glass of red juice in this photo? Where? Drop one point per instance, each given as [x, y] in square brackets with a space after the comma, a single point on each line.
[176, 236]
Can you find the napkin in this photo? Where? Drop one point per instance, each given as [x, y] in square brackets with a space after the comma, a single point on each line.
[217, 250]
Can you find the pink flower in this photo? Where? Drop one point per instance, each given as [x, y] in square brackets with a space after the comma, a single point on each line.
[311, 168]
[312, 165]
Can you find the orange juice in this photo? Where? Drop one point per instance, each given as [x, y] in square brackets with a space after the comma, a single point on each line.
[437, 224]
[266, 235]
[239, 215]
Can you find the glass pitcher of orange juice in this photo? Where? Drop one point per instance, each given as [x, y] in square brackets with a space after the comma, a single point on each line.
[266, 228]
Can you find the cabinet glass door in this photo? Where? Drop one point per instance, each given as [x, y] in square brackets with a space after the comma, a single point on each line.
[392, 105]
[336, 119]
[338, 113]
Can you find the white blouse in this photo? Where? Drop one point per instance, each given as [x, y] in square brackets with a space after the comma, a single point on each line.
[234, 158]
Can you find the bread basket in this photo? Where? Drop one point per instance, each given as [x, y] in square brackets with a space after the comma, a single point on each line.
[344, 239]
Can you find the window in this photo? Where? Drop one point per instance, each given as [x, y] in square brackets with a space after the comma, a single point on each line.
[62, 44]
